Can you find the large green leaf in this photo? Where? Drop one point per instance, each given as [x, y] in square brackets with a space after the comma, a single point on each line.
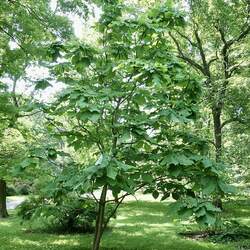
[112, 171]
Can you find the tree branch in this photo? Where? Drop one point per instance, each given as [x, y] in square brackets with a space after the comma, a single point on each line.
[30, 114]
[194, 64]
[14, 93]
[13, 38]
[187, 38]
[113, 212]
[96, 200]
[241, 36]
[202, 54]
[230, 121]
[213, 59]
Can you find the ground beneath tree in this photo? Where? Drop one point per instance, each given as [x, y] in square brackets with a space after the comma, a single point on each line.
[140, 225]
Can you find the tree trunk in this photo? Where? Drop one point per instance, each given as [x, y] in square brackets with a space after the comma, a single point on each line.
[217, 132]
[99, 227]
[216, 111]
[3, 194]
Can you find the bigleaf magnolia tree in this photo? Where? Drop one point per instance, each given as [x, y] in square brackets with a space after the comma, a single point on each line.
[130, 101]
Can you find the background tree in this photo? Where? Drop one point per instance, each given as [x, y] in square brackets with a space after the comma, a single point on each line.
[7, 112]
[27, 28]
[215, 42]
[11, 150]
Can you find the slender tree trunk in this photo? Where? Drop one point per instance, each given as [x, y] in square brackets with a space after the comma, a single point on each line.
[100, 219]
[216, 111]
[3, 194]
[217, 132]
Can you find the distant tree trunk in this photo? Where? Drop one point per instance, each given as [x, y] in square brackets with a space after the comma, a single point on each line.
[99, 228]
[216, 111]
[3, 194]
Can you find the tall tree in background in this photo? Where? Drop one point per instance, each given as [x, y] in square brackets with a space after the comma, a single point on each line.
[12, 149]
[27, 28]
[215, 43]
[7, 111]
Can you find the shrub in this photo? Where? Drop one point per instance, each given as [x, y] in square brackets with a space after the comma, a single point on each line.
[232, 231]
[11, 191]
[70, 215]
[229, 231]
[27, 209]
[18, 189]
[23, 189]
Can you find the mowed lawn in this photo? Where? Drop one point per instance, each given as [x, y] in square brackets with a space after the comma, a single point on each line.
[140, 225]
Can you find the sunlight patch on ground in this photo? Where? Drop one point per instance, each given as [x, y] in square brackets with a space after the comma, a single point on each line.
[246, 221]
[162, 225]
[5, 223]
[25, 242]
[66, 242]
[125, 233]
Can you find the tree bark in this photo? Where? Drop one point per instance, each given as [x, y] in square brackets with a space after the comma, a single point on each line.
[3, 195]
[99, 227]
[217, 132]
[216, 111]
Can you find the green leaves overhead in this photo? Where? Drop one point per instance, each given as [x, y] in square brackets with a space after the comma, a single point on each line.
[112, 172]
[82, 57]
[147, 178]
[177, 159]
[201, 210]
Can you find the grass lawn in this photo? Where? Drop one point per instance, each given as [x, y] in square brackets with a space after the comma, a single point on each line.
[141, 225]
